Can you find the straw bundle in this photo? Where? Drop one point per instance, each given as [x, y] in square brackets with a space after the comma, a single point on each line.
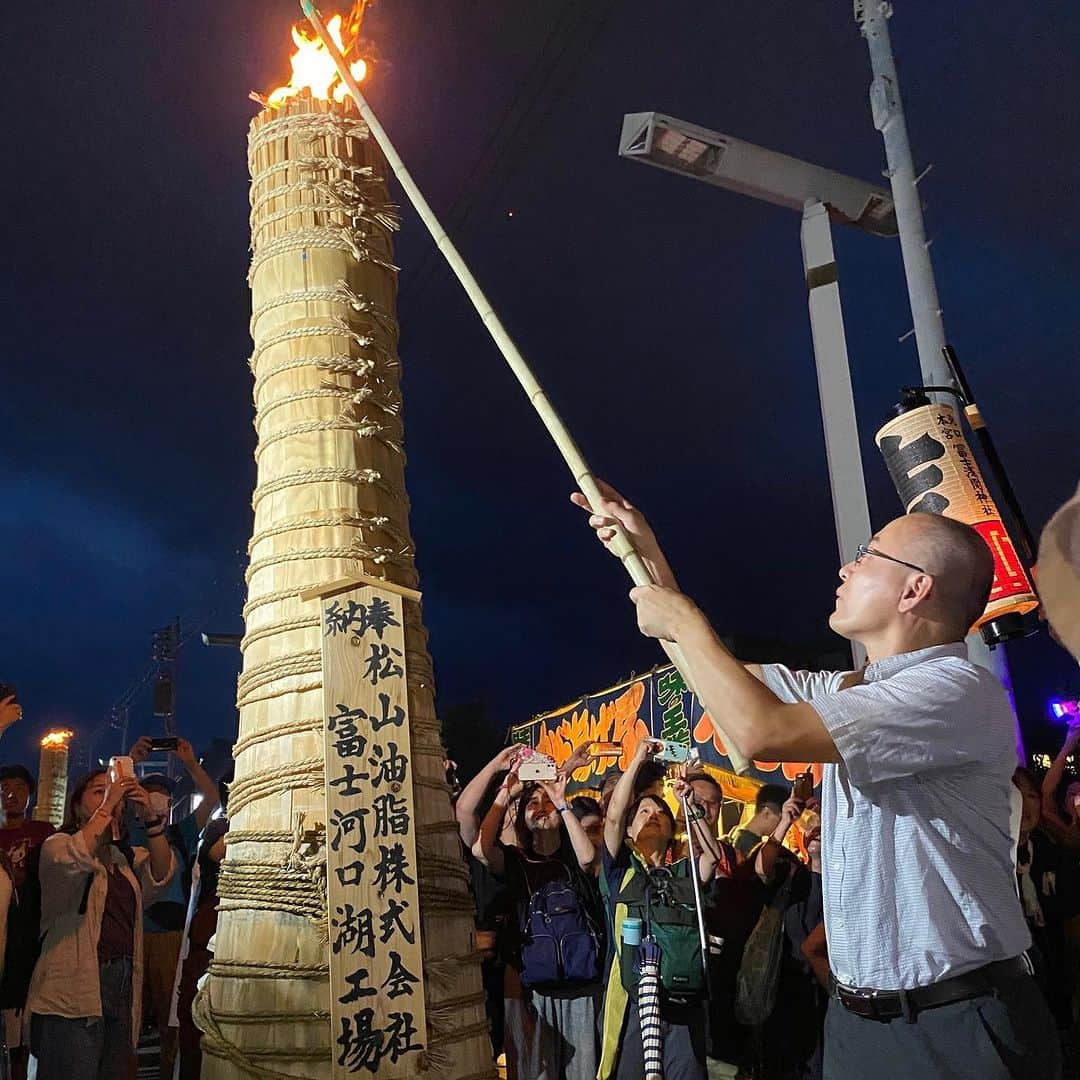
[329, 502]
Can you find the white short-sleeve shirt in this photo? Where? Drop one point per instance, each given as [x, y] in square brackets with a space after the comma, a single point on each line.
[917, 856]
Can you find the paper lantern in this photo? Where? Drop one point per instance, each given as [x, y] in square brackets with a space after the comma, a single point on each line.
[934, 470]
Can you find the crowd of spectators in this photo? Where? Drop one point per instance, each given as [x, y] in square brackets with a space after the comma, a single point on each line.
[614, 863]
[106, 923]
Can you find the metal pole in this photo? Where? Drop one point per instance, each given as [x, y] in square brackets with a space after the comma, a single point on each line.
[564, 442]
[873, 17]
[697, 890]
[846, 482]
[888, 112]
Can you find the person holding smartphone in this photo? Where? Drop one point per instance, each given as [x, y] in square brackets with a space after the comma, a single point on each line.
[927, 940]
[85, 996]
[163, 921]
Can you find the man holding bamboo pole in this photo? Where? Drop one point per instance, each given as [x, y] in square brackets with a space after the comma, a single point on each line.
[926, 935]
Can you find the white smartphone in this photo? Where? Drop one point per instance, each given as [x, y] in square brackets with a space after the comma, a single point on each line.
[542, 769]
[120, 768]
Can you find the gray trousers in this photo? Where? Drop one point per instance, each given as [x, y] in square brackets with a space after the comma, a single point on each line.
[89, 1047]
[1009, 1035]
[552, 1038]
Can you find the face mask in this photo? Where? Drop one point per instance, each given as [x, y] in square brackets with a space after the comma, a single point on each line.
[160, 803]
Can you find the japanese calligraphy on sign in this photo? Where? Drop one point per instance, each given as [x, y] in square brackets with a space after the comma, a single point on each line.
[376, 981]
[934, 470]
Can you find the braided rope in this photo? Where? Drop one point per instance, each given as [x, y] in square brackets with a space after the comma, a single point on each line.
[358, 367]
[276, 691]
[356, 552]
[269, 886]
[319, 476]
[282, 627]
[335, 238]
[349, 518]
[306, 773]
[267, 969]
[361, 429]
[354, 207]
[278, 731]
[338, 191]
[339, 293]
[334, 328]
[258, 836]
[316, 1016]
[307, 127]
[345, 393]
[254, 603]
[311, 164]
[278, 667]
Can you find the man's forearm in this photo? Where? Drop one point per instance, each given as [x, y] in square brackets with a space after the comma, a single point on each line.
[741, 704]
[761, 725]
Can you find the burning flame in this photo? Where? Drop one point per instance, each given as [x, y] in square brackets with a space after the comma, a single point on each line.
[312, 66]
[56, 739]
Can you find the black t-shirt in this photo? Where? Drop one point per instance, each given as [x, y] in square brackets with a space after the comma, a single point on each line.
[118, 919]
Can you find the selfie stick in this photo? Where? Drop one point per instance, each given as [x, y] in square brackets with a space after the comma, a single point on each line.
[697, 890]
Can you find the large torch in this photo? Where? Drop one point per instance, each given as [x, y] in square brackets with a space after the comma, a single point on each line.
[53, 777]
[329, 503]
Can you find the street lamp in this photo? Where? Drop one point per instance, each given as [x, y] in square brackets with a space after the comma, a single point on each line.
[822, 196]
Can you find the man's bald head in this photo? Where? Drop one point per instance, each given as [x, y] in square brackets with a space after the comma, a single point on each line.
[961, 565]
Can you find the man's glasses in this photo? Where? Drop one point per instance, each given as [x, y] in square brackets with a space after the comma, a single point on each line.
[862, 550]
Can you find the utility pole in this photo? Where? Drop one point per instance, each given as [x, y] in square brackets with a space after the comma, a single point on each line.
[887, 109]
[166, 645]
[872, 17]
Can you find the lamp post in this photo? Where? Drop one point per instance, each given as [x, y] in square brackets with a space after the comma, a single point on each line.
[822, 196]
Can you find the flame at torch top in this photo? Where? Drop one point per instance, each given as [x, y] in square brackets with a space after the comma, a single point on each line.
[312, 66]
[56, 739]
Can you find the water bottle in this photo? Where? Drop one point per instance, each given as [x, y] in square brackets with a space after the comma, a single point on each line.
[628, 952]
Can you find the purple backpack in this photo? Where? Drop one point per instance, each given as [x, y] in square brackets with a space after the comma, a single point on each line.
[559, 944]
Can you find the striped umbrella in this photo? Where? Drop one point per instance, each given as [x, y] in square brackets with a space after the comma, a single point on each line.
[652, 1038]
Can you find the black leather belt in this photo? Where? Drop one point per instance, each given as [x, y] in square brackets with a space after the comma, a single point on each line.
[893, 1004]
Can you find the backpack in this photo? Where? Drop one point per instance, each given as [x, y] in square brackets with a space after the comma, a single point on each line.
[559, 942]
[665, 904]
[759, 973]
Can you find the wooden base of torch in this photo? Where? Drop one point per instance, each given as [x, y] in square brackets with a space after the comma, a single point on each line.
[330, 502]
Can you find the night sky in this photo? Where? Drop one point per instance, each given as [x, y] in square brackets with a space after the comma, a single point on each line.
[667, 319]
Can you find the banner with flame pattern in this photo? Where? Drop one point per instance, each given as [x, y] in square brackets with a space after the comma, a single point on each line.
[656, 705]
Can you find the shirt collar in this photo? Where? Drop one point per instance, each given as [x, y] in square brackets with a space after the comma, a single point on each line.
[891, 665]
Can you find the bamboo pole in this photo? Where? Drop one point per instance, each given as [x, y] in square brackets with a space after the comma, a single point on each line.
[621, 544]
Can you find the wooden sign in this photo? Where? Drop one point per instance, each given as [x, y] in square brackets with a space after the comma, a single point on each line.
[376, 966]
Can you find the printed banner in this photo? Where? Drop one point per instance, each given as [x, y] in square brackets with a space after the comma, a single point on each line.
[376, 977]
[934, 470]
[652, 706]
